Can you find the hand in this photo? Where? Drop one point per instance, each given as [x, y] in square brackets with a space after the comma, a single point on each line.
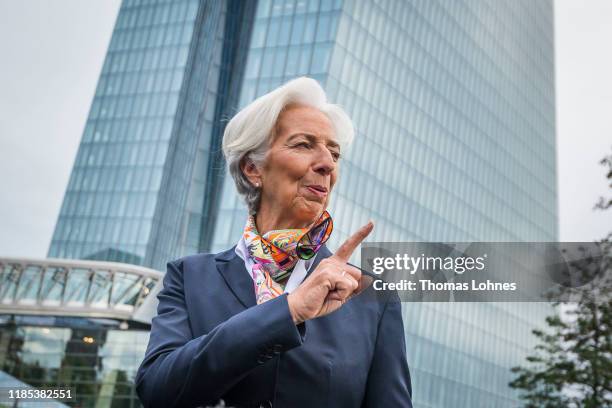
[331, 284]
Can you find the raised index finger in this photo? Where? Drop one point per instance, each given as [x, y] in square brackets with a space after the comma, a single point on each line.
[346, 249]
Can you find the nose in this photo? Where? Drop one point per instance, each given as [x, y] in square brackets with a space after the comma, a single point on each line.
[324, 162]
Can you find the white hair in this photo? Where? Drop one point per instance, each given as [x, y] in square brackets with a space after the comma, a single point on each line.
[250, 132]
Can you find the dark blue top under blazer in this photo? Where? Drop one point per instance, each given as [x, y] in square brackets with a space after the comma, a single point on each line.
[210, 341]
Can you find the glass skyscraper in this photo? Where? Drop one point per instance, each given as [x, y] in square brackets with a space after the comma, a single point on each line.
[146, 175]
[453, 102]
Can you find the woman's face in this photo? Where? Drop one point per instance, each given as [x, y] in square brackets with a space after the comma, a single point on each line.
[300, 169]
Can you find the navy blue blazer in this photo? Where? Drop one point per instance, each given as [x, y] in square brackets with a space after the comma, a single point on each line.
[210, 341]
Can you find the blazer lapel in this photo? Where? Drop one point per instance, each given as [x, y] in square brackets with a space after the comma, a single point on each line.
[232, 268]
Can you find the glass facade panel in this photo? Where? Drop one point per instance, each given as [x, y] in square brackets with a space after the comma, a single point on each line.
[99, 291]
[126, 289]
[10, 280]
[76, 287]
[97, 361]
[53, 284]
[29, 285]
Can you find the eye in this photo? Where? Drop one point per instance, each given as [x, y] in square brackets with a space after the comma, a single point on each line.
[302, 144]
[335, 155]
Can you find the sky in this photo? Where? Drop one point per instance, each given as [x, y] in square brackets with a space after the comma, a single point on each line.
[583, 29]
[52, 53]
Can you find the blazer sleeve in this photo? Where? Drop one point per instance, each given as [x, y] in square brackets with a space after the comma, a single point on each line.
[181, 371]
[389, 382]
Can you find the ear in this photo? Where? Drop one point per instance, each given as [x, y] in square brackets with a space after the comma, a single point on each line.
[250, 170]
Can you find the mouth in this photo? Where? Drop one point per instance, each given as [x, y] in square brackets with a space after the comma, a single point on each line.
[317, 189]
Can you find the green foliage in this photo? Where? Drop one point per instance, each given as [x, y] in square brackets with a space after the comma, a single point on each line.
[572, 364]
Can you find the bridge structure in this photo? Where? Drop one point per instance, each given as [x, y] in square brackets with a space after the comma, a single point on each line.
[80, 288]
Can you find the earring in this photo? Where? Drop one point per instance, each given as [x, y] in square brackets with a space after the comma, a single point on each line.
[256, 184]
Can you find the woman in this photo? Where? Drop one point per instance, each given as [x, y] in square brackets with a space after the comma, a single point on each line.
[275, 320]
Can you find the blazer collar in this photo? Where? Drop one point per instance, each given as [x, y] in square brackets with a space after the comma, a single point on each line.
[232, 269]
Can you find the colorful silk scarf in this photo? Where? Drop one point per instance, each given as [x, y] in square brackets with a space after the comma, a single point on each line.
[276, 252]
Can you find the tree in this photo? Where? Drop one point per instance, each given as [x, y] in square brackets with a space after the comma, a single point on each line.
[572, 364]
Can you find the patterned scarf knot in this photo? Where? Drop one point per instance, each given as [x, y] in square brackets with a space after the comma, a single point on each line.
[276, 253]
